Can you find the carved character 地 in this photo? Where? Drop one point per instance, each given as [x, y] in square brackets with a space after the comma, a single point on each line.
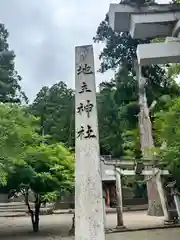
[84, 69]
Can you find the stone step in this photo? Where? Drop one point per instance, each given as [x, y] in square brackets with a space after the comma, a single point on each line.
[13, 214]
[20, 209]
[11, 204]
[43, 211]
[23, 206]
[19, 205]
[6, 208]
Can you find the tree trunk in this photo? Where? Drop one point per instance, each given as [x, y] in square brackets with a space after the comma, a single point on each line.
[35, 226]
[35, 223]
[147, 145]
[34, 215]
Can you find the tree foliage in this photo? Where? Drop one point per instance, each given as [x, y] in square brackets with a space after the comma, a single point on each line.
[119, 54]
[18, 129]
[10, 89]
[46, 171]
[167, 125]
[27, 164]
[55, 107]
[121, 94]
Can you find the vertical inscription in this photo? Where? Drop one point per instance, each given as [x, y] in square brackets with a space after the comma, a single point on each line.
[88, 195]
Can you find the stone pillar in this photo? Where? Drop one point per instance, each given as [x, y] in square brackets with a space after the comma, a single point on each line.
[162, 196]
[108, 197]
[147, 143]
[89, 223]
[119, 200]
[177, 204]
[104, 212]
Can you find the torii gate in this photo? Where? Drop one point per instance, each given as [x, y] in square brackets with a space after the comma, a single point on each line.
[134, 168]
[162, 21]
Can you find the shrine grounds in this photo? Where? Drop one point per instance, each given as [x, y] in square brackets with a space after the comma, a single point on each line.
[57, 227]
[163, 234]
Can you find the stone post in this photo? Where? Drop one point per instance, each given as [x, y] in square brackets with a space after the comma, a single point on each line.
[104, 213]
[177, 204]
[89, 222]
[119, 204]
[162, 196]
[147, 144]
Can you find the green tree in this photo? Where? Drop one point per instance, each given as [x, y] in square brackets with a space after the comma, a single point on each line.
[110, 132]
[55, 107]
[119, 53]
[117, 109]
[167, 125]
[120, 50]
[174, 70]
[10, 89]
[121, 94]
[46, 171]
[18, 130]
[29, 166]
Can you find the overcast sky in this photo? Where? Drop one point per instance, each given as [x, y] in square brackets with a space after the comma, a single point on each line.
[44, 33]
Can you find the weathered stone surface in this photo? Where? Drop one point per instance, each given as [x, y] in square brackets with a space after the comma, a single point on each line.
[88, 191]
[158, 53]
[158, 19]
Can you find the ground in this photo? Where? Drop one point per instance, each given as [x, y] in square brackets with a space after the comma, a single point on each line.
[165, 234]
[57, 227]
